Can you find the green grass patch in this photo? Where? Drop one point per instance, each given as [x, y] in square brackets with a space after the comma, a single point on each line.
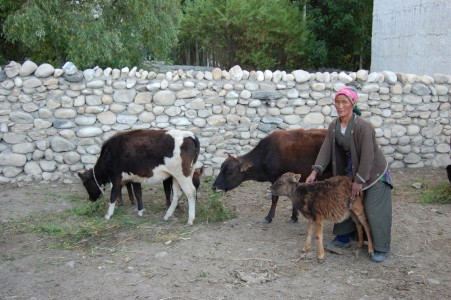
[83, 225]
[213, 210]
[437, 194]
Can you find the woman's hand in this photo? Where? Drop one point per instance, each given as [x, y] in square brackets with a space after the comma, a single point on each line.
[311, 177]
[356, 189]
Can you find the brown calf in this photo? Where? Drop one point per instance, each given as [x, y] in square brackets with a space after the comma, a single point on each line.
[324, 200]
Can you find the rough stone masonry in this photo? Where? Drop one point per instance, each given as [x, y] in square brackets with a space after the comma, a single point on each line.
[53, 120]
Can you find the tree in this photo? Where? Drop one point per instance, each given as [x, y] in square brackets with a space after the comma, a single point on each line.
[92, 33]
[253, 33]
[8, 50]
[342, 31]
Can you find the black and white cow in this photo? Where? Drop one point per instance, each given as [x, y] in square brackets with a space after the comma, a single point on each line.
[146, 156]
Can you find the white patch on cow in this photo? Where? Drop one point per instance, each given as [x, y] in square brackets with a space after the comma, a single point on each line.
[160, 173]
[110, 211]
[140, 212]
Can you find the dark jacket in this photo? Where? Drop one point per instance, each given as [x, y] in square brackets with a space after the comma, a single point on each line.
[368, 160]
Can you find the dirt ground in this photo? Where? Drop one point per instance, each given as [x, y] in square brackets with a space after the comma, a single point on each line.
[242, 258]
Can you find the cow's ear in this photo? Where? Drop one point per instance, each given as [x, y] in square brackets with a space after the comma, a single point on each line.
[297, 177]
[82, 176]
[245, 166]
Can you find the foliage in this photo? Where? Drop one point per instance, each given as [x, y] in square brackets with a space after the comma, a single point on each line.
[342, 31]
[93, 32]
[254, 34]
[437, 194]
[213, 210]
[8, 50]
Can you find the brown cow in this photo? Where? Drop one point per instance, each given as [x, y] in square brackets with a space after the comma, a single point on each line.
[280, 152]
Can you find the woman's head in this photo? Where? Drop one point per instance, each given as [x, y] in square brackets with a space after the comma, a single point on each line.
[345, 100]
[349, 92]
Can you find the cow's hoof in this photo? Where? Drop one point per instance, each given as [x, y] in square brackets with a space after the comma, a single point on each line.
[267, 220]
[292, 221]
[321, 261]
[140, 212]
[107, 217]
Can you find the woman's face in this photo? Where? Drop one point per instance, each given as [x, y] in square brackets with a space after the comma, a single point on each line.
[344, 106]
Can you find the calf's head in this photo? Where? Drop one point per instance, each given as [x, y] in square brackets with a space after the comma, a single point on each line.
[285, 184]
[94, 191]
[231, 175]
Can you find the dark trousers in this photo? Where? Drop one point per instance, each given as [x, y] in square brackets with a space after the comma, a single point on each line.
[378, 209]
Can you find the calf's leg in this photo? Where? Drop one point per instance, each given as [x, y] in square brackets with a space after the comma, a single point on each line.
[308, 239]
[319, 237]
[361, 220]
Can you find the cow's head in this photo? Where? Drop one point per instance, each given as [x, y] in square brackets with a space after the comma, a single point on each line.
[232, 174]
[94, 190]
[285, 184]
[196, 177]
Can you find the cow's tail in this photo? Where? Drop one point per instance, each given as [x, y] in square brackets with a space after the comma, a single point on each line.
[196, 155]
[196, 149]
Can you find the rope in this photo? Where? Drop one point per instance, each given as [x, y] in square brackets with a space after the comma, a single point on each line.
[102, 190]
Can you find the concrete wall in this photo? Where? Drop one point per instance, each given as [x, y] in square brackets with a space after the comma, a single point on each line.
[412, 36]
[53, 121]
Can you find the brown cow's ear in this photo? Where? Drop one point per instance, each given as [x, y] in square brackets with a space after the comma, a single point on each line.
[245, 166]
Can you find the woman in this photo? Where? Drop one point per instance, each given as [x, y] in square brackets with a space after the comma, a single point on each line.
[351, 147]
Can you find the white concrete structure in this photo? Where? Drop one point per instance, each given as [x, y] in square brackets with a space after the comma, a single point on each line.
[411, 36]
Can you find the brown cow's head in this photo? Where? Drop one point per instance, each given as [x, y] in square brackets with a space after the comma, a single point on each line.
[231, 175]
[90, 184]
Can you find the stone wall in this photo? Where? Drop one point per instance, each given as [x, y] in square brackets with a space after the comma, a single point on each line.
[53, 121]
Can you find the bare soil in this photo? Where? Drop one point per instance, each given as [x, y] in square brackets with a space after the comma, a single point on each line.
[242, 258]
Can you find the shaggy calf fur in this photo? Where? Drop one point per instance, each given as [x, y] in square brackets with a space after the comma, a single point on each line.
[324, 200]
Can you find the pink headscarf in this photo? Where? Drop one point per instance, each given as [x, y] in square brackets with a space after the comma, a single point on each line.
[348, 92]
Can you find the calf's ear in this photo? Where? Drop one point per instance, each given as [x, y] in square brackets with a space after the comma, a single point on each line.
[297, 177]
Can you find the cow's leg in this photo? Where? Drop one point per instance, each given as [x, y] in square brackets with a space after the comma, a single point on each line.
[115, 191]
[139, 197]
[186, 184]
[167, 186]
[119, 200]
[130, 192]
[272, 210]
[294, 215]
[176, 192]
